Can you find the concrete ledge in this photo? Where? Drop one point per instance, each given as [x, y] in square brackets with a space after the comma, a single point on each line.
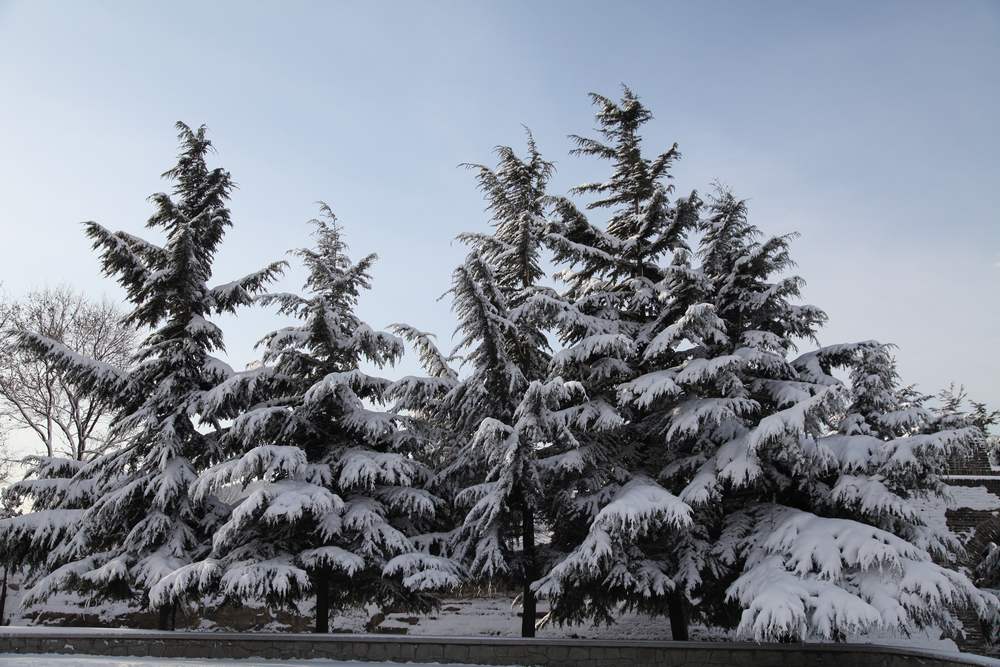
[471, 650]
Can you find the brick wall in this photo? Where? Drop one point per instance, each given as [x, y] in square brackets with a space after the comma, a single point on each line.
[981, 526]
[976, 463]
[492, 651]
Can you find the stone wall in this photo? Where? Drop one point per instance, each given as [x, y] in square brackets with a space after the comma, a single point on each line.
[493, 651]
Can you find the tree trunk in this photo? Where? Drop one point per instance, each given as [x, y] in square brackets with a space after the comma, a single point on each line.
[528, 602]
[3, 598]
[322, 584]
[163, 623]
[678, 617]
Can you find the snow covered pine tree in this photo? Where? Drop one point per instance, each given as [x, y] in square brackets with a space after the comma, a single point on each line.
[503, 430]
[144, 525]
[817, 534]
[329, 494]
[508, 421]
[735, 475]
[622, 547]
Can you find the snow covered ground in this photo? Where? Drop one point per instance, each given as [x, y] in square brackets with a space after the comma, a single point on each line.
[484, 616]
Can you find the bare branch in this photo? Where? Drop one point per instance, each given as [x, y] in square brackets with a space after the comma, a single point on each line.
[35, 393]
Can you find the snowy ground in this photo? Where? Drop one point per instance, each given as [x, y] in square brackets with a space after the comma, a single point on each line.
[483, 617]
[36, 660]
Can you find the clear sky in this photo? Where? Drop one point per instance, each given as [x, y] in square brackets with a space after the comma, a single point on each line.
[869, 127]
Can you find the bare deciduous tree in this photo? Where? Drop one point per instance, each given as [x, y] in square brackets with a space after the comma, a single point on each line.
[9, 506]
[33, 396]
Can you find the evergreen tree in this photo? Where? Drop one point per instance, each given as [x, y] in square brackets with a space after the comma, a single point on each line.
[501, 280]
[57, 491]
[505, 426]
[144, 525]
[981, 553]
[817, 534]
[330, 492]
[519, 440]
[724, 468]
[620, 543]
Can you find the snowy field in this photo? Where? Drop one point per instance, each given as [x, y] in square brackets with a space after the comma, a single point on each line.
[41, 660]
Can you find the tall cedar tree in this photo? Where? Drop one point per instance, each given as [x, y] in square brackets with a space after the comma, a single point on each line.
[815, 479]
[510, 414]
[504, 428]
[328, 491]
[731, 461]
[619, 544]
[145, 524]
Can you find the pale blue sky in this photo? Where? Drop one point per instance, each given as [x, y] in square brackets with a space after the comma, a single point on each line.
[871, 128]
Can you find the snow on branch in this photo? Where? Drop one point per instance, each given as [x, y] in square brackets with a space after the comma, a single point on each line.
[126, 255]
[276, 578]
[87, 374]
[60, 579]
[40, 531]
[792, 421]
[264, 462]
[278, 503]
[640, 506]
[190, 581]
[434, 362]
[698, 326]
[366, 517]
[332, 557]
[646, 389]
[807, 575]
[615, 345]
[227, 297]
[424, 572]
[364, 468]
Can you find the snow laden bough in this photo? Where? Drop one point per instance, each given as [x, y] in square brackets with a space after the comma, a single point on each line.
[810, 576]
[609, 556]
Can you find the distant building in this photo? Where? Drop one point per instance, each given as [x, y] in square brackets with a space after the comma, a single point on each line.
[975, 482]
[973, 513]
